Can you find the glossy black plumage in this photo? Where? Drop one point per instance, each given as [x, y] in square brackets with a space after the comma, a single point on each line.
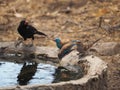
[28, 31]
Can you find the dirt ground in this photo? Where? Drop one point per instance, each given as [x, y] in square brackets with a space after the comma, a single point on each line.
[85, 20]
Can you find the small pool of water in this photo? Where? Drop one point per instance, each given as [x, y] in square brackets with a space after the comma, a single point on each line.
[28, 73]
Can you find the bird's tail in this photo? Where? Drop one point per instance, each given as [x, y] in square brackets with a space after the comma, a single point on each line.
[89, 46]
[41, 33]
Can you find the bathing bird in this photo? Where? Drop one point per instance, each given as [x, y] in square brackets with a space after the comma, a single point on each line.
[64, 47]
[67, 47]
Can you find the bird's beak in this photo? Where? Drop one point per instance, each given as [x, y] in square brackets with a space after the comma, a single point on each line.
[26, 22]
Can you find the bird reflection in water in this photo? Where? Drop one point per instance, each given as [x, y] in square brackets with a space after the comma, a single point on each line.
[26, 73]
[66, 74]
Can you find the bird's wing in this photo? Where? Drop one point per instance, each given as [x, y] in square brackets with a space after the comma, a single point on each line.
[63, 42]
[66, 48]
[31, 29]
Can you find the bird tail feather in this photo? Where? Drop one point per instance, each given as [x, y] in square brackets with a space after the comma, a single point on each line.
[89, 46]
[41, 33]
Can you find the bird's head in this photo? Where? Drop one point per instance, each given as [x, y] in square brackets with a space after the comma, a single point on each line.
[58, 42]
[24, 22]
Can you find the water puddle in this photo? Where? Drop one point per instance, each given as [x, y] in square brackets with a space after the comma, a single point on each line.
[27, 73]
[32, 73]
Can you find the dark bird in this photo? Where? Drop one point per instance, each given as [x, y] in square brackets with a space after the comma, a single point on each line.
[26, 73]
[28, 31]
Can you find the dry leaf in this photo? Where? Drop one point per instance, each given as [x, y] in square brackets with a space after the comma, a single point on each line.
[101, 12]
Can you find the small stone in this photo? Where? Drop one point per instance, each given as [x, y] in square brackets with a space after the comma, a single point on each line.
[107, 48]
[18, 15]
[107, 20]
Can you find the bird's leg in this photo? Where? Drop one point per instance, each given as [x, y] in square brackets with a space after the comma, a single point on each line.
[32, 43]
[25, 41]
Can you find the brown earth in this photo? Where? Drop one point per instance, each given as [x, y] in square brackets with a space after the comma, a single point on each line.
[67, 19]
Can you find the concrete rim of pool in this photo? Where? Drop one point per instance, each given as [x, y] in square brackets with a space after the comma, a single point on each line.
[95, 78]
